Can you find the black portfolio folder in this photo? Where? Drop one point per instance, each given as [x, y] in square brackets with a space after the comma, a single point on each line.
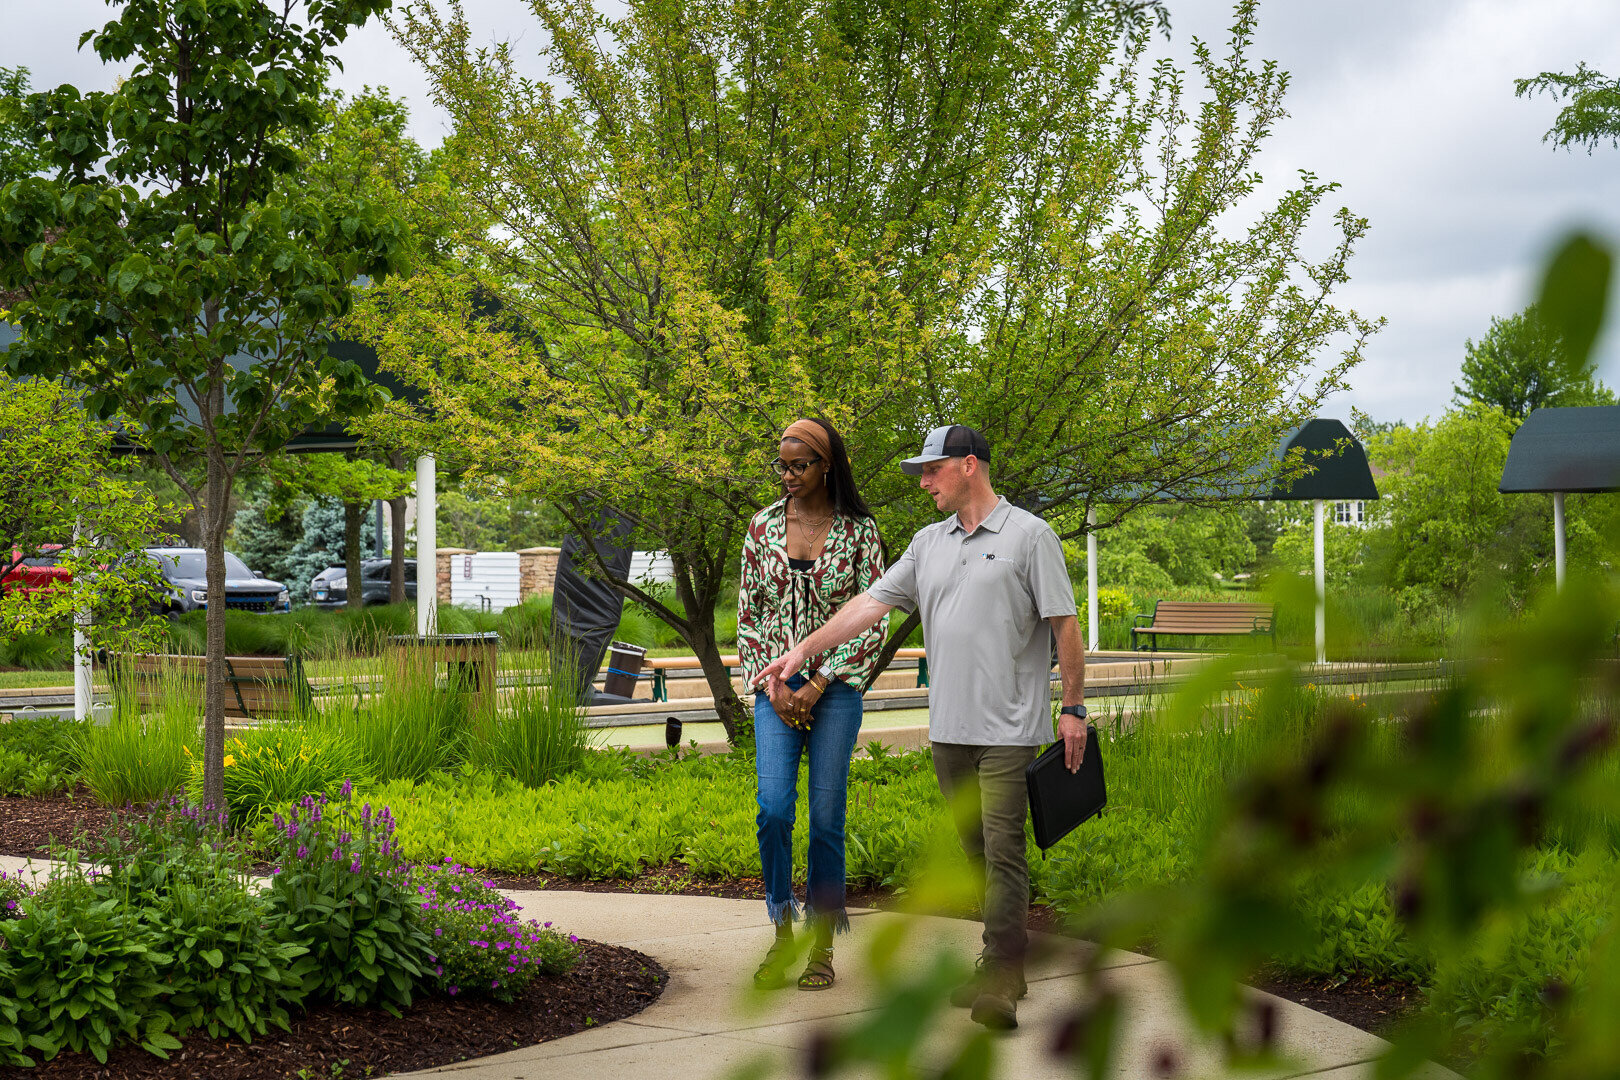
[1059, 799]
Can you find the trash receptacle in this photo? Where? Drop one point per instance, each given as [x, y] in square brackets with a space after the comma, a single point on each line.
[624, 667]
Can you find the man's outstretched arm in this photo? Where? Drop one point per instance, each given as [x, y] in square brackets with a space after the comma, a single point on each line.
[850, 620]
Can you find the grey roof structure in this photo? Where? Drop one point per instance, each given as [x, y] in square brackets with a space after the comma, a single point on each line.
[1565, 450]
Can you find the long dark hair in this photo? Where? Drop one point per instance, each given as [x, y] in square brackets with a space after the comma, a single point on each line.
[846, 498]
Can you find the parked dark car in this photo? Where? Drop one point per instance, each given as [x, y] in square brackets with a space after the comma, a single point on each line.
[186, 571]
[330, 588]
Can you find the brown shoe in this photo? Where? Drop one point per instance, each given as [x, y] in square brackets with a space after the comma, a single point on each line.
[965, 995]
[996, 1008]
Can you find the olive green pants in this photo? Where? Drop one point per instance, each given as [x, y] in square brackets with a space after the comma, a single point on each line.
[989, 799]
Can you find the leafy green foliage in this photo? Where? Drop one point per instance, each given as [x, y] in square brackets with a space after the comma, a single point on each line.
[19, 155]
[84, 974]
[56, 480]
[268, 767]
[1592, 112]
[1442, 527]
[342, 891]
[38, 756]
[480, 947]
[225, 963]
[1522, 364]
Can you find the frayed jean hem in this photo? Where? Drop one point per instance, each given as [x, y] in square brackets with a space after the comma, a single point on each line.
[781, 911]
[838, 919]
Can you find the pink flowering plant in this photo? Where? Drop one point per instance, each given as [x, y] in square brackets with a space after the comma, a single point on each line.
[480, 945]
[341, 885]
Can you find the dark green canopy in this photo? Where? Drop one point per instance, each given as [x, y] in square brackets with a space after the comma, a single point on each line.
[1565, 450]
[1337, 476]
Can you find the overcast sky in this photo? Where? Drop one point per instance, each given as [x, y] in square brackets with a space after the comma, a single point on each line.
[1407, 103]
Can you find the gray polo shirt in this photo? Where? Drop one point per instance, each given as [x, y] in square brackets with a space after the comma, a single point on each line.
[985, 597]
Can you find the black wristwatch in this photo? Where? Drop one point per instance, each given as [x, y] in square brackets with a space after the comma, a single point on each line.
[1073, 710]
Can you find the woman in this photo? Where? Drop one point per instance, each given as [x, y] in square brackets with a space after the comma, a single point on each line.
[803, 557]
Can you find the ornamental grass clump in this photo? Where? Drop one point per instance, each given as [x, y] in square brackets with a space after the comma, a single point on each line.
[480, 945]
[344, 893]
[274, 766]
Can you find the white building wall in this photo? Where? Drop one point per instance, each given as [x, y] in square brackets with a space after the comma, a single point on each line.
[485, 580]
[651, 566]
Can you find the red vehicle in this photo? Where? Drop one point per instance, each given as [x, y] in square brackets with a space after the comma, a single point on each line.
[35, 573]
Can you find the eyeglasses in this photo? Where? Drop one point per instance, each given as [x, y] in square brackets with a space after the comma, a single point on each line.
[782, 468]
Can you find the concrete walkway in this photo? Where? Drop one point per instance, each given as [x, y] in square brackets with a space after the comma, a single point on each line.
[707, 1026]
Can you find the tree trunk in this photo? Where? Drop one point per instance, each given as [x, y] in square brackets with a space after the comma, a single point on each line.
[396, 538]
[697, 601]
[215, 515]
[896, 641]
[734, 716]
[353, 515]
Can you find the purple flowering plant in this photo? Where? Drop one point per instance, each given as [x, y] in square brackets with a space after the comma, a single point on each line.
[345, 892]
[480, 943]
[13, 891]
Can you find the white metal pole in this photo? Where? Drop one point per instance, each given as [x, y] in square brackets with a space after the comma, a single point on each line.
[83, 690]
[1091, 581]
[427, 545]
[1321, 584]
[1558, 539]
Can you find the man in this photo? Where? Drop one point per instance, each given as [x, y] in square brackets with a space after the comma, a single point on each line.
[988, 580]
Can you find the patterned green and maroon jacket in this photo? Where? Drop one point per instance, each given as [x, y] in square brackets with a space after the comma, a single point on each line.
[778, 606]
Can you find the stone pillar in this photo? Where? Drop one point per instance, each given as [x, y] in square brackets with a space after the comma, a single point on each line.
[447, 565]
[537, 571]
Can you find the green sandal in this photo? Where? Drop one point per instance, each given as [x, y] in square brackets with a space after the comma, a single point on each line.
[772, 973]
[818, 973]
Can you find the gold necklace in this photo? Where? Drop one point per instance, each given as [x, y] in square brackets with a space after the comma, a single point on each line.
[812, 534]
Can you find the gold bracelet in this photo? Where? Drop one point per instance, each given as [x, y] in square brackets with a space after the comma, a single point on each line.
[821, 687]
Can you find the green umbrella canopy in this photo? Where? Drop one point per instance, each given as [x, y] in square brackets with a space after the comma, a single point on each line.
[1565, 450]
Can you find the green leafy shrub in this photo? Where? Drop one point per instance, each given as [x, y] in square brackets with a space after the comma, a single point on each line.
[37, 756]
[480, 946]
[272, 766]
[341, 890]
[84, 974]
[225, 966]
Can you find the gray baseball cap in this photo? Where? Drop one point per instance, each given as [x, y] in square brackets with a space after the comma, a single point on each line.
[952, 440]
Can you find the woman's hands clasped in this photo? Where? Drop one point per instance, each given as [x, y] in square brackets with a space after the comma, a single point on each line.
[793, 706]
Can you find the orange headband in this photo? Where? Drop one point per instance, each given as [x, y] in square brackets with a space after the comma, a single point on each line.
[812, 435]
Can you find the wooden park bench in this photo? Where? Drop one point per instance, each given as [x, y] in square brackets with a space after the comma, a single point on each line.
[661, 666]
[1200, 618]
[256, 686]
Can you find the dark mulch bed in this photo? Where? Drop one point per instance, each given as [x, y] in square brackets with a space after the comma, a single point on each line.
[1372, 1005]
[1369, 1005]
[29, 826]
[610, 983]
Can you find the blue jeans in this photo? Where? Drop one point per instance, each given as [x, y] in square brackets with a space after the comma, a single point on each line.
[777, 749]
